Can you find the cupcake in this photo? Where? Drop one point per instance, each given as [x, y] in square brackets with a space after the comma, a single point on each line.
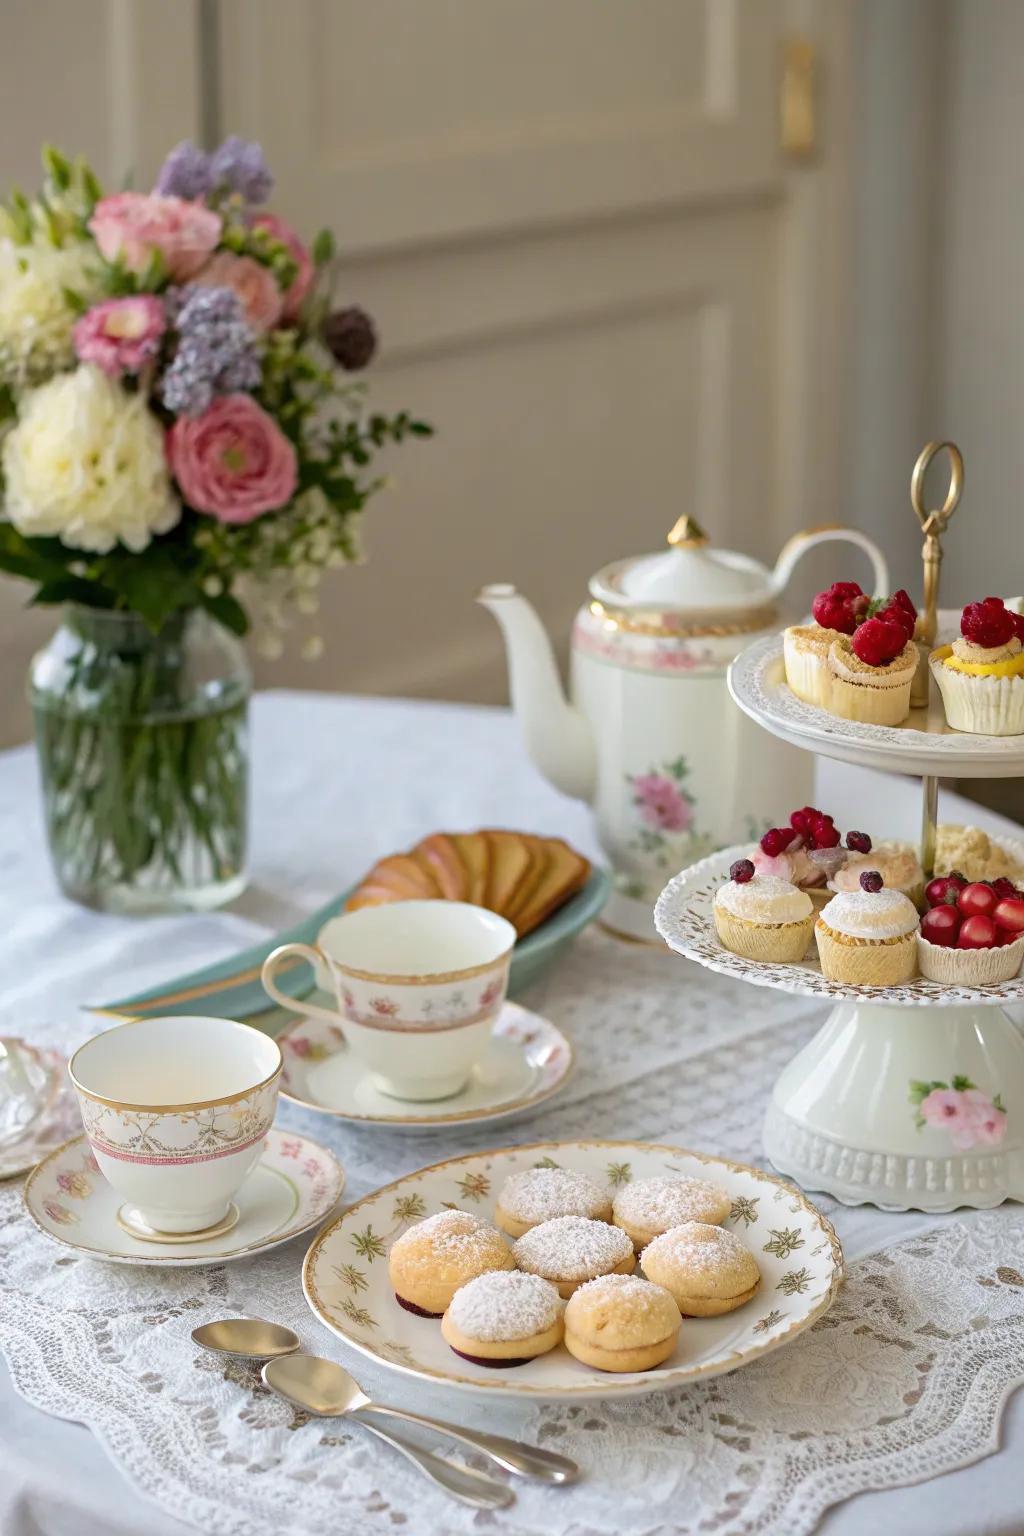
[805, 647]
[572, 1249]
[503, 1318]
[543, 1194]
[805, 853]
[431, 1260]
[871, 672]
[706, 1270]
[868, 937]
[762, 917]
[647, 1207]
[896, 862]
[981, 675]
[621, 1323]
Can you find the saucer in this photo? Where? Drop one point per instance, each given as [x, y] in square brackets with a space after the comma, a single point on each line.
[527, 1060]
[296, 1183]
[57, 1119]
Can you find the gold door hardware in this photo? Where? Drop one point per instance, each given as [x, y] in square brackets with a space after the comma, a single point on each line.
[797, 100]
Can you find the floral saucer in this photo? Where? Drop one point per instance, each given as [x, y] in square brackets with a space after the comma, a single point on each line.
[293, 1187]
[56, 1118]
[527, 1061]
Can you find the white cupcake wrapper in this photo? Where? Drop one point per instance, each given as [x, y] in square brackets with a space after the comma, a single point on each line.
[982, 706]
[969, 967]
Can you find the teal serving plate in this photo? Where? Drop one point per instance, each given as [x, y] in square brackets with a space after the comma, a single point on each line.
[231, 989]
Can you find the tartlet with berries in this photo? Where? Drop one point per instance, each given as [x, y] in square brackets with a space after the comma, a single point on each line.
[981, 675]
[868, 937]
[762, 917]
[805, 647]
[870, 672]
[807, 853]
[972, 933]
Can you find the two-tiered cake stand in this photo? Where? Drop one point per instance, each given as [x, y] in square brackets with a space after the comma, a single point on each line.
[908, 1097]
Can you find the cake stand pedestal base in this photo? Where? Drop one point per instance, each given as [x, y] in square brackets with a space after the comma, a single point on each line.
[904, 1108]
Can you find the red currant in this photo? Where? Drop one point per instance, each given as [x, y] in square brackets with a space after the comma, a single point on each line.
[858, 842]
[976, 932]
[941, 925]
[871, 880]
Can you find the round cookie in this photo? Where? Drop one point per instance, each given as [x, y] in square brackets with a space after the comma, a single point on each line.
[621, 1323]
[430, 1261]
[504, 1318]
[706, 1268]
[571, 1250]
[648, 1207]
[543, 1194]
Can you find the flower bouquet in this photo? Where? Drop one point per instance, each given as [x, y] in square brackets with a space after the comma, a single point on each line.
[180, 433]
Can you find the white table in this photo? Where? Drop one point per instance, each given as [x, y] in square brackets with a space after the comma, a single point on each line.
[336, 781]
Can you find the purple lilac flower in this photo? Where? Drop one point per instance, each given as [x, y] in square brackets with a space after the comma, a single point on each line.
[216, 349]
[239, 165]
[185, 173]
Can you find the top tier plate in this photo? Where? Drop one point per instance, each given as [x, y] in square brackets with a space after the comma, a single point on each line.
[924, 745]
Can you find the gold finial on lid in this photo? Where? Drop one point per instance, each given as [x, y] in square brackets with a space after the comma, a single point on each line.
[933, 526]
[687, 533]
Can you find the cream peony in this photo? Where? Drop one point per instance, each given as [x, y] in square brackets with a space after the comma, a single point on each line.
[86, 462]
[36, 320]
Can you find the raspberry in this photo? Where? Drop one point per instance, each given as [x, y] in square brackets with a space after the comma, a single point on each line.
[1017, 620]
[987, 623]
[741, 871]
[900, 610]
[858, 842]
[800, 821]
[825, 834]
[878, 641]
[871, 880]
[776, 840]
[840, 607]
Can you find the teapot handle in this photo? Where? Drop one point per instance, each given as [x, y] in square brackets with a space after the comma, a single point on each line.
[795, 548]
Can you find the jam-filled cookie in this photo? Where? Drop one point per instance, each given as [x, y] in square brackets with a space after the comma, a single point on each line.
[621, 1323]
[648, 1207]
[707, 1269]
[543, 1194]
[572, 1249]
[429, 1262]
[504, 1318]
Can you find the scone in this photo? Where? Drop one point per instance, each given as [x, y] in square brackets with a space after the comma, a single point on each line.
[621, 1323]
[648, 1207]
[542, 1194]
[981, 675]
[762, 917]
[705, 1269]
[868, 938]
[432, 1259]
[571, 1250]
[504, 1318]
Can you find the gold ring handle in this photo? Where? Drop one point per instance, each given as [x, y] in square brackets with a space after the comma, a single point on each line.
[953, 494]
[933, 526]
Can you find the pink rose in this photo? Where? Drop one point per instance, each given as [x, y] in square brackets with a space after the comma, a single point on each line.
[661, 803]
[254, 284]
[303, 280]
[130, 226]
[121, 335]
[989, 1123]
[945, 1109]
[233, 461]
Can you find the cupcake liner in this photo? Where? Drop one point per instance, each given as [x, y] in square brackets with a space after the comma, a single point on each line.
[868, 704]
[969, 967]
[861, 963]
[784, 943]
[806, 671]
[981, 706]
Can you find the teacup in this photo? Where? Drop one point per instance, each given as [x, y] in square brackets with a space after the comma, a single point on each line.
[419, 985]
[176, 1110]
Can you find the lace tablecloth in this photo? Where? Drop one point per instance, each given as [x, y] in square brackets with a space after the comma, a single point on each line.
[904, 1379]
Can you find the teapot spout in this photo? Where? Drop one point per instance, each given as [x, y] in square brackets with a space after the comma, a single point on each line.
[557, 736]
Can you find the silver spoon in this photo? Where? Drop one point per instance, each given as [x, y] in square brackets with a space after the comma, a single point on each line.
[321, 1387]
[246, 1338]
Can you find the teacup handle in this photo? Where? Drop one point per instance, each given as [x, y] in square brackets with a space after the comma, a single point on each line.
[272, 964]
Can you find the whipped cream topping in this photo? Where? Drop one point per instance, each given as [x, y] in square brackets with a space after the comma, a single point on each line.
[883, 914]
[897, 863]
[985, 655]
[795, 866]
[764, 899]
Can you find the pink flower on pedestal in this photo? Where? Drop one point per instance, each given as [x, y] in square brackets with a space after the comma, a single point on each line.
[944, 1108]
[661, 803]
[303, 280]
[254, 284]
[988, 1122]
[121, 335]
[130, 226]
[233, 461]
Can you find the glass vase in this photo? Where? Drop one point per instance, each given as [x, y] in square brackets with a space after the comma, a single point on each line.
[143, 756]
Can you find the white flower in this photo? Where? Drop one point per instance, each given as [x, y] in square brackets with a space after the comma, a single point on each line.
[36, 319]
[86, 462]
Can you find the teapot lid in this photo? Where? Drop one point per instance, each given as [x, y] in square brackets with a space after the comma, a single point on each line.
[689, 575]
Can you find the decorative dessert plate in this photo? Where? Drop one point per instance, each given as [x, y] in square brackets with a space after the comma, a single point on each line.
[57, 1117]
[345, 1275]
[293, 1187]
[684, 918]
[925, 744]
[527, 1061]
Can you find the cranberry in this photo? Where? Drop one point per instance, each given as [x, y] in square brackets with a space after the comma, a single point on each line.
[978, 900]
[741, 871]
[871, 880]
[943, 888]
[878, 641]
[776, 840]
[941, 925]
[987, 623]
[824, 833]
[858, 842]
[1010, 914]
[976, 932]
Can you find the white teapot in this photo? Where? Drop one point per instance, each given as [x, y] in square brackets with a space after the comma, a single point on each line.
[652, 739]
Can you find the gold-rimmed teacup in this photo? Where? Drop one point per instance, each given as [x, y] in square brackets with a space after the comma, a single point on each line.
[176, 1110]
[419, 985]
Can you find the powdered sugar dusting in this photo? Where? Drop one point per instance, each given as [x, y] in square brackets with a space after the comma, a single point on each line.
[880, 914]
[657, 1204]
[642, 1298]
[542, 1194]
[571, 1248]
[455, 1236]
[505, 1304]
[764, 899]
[698, 1250]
